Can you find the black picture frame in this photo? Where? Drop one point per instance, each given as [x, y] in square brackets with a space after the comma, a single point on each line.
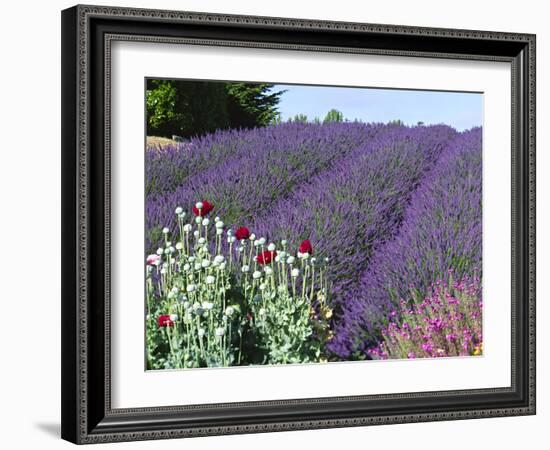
[87, 416]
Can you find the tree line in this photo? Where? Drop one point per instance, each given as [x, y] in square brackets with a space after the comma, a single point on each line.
[188, 108]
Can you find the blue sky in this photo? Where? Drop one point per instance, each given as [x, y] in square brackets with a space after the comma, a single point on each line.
[458, 109]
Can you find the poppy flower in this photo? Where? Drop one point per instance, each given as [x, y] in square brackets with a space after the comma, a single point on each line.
[305, 247]
[153, 260]
[206, 208]
[165, 321]
[242, 233]
[249, 317]
[266, 257]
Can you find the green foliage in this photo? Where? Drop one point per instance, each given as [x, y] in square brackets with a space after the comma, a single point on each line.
[334, 116]
[298, 118]
[161, 97]
[251, 104]
[396, 122]
[188, 108]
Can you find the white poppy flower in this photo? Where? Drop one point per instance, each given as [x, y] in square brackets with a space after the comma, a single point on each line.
[187, 227]
[179, 246]
[160, 251]
[210, 279]
[290, 260]
[245, 268]
[220, 332]
[202, 240]
[229, 311]
[205, 263]
[295, 272]
[271, 247]
[165, 230]
[268, 270]
[199, 205]
[219, 224]
[219, 259]
[256, 275]
[174, 317]
[179, 210]
[201, 332]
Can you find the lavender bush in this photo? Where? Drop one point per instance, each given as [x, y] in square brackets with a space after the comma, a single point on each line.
[356, 204]
[357, 226]
[441, 230]
[268, 164]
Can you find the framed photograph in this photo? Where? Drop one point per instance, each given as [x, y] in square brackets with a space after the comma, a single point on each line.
[281, 224]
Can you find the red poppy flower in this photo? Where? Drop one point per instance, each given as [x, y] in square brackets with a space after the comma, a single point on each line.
[206, 208]
[266, 257]
[242, 233]
[305, 247]
[165, 321]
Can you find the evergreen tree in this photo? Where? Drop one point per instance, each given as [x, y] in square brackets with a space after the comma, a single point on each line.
[189, 108]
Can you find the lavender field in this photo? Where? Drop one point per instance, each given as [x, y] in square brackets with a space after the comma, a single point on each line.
[314, 242]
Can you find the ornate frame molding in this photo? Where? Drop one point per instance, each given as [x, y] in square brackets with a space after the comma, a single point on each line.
[77, 423]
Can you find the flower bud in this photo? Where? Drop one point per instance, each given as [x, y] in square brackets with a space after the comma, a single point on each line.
[199, 205]
[179, 210]
[295, 272]
[256, 275]
[165, 230]
[271, 247]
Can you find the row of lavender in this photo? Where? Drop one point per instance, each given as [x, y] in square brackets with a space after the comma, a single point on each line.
[243, 172]
[394, 207]
[439, 240]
